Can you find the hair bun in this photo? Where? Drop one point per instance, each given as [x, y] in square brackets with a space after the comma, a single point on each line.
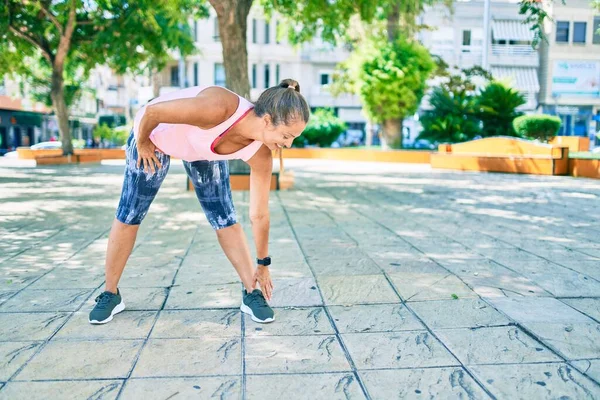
[290, 83]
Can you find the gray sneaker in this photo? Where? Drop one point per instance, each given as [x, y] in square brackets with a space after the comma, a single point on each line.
[256, 306]
[107, 305]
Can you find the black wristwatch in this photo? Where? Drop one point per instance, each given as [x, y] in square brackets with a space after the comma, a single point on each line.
[265, 261]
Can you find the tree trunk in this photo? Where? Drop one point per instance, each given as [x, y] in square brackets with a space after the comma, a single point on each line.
[156, 82]
[233, 21]
[57, 93]
[392, 133]
[393, 21]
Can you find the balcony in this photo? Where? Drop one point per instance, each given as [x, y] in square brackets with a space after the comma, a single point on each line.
[514, 55]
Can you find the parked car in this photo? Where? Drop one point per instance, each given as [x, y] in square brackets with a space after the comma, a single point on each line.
[424, 144]
[41, 145]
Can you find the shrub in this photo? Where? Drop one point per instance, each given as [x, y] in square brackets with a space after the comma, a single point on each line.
[322, 129]
[541, 127]
[496, 107]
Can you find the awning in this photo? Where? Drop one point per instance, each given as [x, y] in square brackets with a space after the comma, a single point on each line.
[524, 79]
[27, 118]
[511, 29]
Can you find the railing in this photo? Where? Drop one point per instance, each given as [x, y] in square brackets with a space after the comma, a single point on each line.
[513, 50]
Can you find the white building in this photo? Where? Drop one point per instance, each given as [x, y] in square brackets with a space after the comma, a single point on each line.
[459, 39]
[570, 68]
[270, 60]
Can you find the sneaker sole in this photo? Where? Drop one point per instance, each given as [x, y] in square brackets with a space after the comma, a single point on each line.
[118, 308]
[247, 310]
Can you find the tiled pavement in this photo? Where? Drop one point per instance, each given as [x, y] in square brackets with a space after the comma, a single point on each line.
[391, 281]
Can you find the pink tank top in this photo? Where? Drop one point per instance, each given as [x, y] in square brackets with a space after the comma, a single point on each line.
[191, 143]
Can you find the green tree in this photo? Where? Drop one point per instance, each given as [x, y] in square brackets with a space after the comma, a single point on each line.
[68, 36]
[496, 107]
[392, 84]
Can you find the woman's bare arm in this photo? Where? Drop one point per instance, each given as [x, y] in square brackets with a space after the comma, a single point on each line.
[211, 107]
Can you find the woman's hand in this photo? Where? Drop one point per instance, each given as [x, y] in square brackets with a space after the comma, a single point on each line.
[147, 156]
[263, 277]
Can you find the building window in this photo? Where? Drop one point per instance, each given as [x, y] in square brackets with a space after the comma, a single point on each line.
[562, 32]
[325, 78]
[579, 29]
[267, 75]
[175, 76]
[254, 37]
[596, 31]
[219, 74]
[466, 40]
[277, 41]
[195, 30]
[216, 36]
[267, 32]
[195, 74]
[253, 76]
[277, 80]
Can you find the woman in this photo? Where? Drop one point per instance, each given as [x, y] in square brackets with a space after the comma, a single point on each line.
[205, 127]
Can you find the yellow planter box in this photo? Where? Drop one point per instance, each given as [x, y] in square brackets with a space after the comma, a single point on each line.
[400, 156]
[584, 168]
[503, 154]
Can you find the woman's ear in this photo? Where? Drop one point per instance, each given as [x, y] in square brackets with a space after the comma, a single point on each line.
[267, 120]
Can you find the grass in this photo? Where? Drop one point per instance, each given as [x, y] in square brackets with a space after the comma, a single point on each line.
[588, 155]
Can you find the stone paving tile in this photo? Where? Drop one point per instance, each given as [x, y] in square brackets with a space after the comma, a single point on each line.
[206, 275]
[568, 284]
[293, 321]
[189, 357]
[344, 266]
[295, 292]
[63, 277]
[494, 345]
[415, 287]
[6, 294]
[374, 318]
[13, 355]
[197, 324]
[574, 340]
[410, 349]
[590, 307]
[225, 388]
[91, 389]
[414, 383]
[536, 381]
[309, 386]
[356, 289]
[293, 354]
[31, 300]
[459, 313]
[293, 270]
[589, 267]
[591, 368]
[149, 276]
[82, 360]
[126, 325]
[30, 326]
[205, 296]
[538, 309]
